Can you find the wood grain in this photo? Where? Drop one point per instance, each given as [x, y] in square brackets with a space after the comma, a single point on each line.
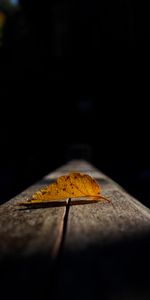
[30, 240]
[81, 251]
[27, 231]
[106, 246]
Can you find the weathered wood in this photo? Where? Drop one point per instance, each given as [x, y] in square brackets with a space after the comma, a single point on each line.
[123, 216]
[87, 251]
[106, 245]
[29, 231]
[30, 240]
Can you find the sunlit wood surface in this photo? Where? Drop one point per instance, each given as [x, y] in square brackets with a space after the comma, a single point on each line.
[86, 250]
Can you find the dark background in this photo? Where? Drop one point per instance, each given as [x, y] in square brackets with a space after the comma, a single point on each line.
[74, 83]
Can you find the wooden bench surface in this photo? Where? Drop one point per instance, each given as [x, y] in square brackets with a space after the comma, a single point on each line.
[79, 251]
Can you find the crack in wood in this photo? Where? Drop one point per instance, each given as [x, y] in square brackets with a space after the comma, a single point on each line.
[65, 221]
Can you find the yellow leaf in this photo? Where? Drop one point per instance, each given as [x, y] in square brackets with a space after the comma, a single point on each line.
[74, 185]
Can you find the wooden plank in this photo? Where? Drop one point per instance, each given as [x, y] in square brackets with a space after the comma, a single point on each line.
[30, 240]
[90, 251]
[106, 246]
[29, 231]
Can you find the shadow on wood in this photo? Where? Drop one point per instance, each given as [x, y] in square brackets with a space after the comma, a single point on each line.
[118, 270]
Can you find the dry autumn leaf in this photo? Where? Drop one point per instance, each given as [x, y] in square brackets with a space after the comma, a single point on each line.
[74, 185]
